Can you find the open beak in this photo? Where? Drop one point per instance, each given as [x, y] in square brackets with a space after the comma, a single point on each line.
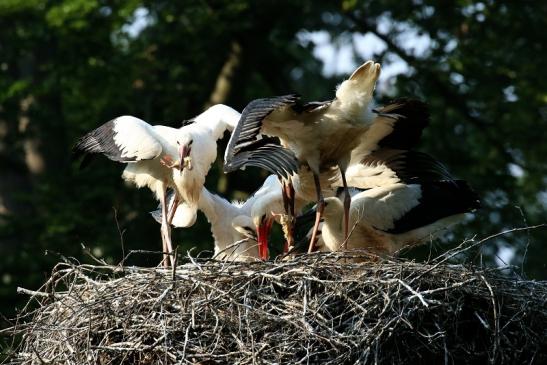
[184, 151]
[263, 235]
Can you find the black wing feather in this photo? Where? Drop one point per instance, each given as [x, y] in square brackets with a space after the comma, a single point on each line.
[411, 118]
[186, 122]
[266, 154]
[311, 106]
[440, 199]
[247, 149]
[100, 140]
[412, 167]
[302, 226]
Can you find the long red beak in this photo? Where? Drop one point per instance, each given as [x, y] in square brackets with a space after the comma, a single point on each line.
[263, 233]
[184, 151]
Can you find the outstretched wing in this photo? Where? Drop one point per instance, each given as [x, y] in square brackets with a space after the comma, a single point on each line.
[247, 147]
[124, 139]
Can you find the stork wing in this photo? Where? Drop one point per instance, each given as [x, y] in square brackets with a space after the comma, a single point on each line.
[439, 199]
[398, 125]
[312, 106]
[124, 139]
[410, 117]
[389, 166]
[248, 148]
[186, 122]
[410, 167]
[185, 215]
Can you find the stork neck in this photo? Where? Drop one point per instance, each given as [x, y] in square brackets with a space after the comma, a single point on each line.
[219, 212]
[213, 206]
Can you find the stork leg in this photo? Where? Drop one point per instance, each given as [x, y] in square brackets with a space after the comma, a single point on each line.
[319, 212]
[173, 209]
[165, 231]
[170, 217]
[347, 203]
[291, 195]
[288, 204]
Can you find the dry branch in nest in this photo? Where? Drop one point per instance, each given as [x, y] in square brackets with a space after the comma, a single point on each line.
[311, 309]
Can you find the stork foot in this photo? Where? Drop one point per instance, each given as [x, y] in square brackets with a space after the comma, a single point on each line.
[168, 162]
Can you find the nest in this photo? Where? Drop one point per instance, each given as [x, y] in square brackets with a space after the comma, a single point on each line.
[310, 309]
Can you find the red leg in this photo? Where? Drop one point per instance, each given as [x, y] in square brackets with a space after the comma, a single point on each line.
[347, 203]
[288, 204]
[164, 228]
[318, 214]
[170, 216]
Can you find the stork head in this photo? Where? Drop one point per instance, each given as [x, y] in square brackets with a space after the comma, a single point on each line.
[334, 209]
[184, 149]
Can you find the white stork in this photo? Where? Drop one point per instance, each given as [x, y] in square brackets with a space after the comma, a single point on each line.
[233, 230]
[270, 206]
[319, 134]
[149, 154]
[402, 198]
[398, 124]
[233, 222]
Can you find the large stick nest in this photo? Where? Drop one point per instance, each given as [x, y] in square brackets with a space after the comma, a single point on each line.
[314, 308]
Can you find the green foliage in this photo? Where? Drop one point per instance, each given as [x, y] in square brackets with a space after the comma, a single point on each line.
[68, 66]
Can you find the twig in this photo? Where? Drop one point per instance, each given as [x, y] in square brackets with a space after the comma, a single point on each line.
[310, 309]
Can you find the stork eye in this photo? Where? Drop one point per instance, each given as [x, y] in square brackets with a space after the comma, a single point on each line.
[190, 143]
[178, 143]
[263, 218]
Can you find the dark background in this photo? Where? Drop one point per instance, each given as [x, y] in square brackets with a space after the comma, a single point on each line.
[68, 66]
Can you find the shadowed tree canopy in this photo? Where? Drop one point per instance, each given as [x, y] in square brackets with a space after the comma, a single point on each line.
[68, 66]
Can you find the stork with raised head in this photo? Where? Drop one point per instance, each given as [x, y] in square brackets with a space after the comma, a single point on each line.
[319, 134]
[149, 153]
[402, 198]
[398, 124]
